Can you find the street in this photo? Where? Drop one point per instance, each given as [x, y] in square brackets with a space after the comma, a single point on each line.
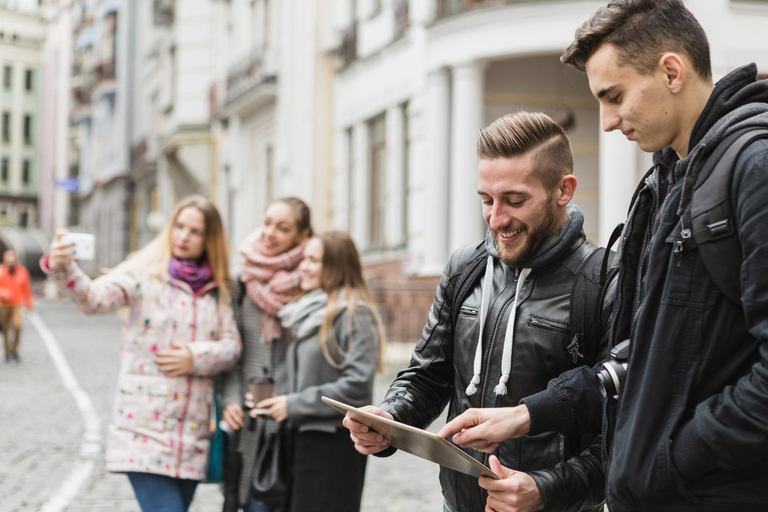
[56, 406]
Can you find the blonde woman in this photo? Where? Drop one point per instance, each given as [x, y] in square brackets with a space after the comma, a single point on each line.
[178, 330]
[335, 352]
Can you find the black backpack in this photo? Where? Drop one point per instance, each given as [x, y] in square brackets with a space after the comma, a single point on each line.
[587, 294]
[713, 223]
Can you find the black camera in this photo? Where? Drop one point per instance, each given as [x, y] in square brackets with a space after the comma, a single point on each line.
[611, 375]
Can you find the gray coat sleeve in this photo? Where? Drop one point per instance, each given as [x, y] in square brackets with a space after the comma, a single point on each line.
[359, 337]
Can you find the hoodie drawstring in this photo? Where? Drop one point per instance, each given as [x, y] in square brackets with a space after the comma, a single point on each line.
[506, 363]
[484, 302]
[509, 337]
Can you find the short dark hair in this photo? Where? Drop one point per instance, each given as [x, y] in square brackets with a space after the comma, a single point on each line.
[520, 133]
[641, 31]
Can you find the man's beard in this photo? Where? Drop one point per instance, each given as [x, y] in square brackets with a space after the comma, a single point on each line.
[534, 237]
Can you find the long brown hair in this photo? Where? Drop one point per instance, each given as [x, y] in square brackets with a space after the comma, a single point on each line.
[342, 275]
[155, 257]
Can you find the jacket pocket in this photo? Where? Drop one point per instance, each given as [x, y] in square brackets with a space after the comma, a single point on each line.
[469, 310]
[550, 325]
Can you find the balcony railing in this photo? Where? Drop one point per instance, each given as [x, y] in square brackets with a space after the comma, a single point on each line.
[447, 8]
[247, 74]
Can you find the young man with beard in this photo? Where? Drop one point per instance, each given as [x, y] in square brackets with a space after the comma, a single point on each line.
[690, 429]
[508, 334]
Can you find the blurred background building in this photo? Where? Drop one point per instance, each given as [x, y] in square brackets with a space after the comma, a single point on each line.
[366, 109]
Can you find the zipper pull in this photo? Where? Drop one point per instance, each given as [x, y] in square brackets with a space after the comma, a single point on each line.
[678, 252]
[686, 234]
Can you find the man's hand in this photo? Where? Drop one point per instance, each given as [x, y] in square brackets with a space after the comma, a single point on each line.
[515, 492]
[175, 361]
[366, 440]
[484, 429]
[233, 415]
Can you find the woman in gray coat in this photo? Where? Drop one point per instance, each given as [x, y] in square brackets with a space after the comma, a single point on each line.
[336, 349]
[269, 279]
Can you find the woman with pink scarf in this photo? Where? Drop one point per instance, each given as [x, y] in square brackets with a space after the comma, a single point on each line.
[269, 280]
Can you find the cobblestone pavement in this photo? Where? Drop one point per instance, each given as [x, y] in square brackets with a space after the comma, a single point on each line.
[41, 429]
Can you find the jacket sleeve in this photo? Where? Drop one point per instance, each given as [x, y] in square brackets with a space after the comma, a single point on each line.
[102, 295]
[577, 484]
[421, 391]
[215, 356]
[730, 430]
[359, 337]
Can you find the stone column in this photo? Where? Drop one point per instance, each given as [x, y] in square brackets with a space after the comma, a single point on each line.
[395, 178]
[432, 211]
[618, 179]
[468, 109]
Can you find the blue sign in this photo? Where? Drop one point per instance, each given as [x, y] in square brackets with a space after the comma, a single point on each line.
[68, 184]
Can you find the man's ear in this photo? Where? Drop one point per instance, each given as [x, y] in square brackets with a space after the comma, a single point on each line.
[675, 71]
[566, 188]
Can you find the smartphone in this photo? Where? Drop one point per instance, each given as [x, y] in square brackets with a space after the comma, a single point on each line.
[84, 244]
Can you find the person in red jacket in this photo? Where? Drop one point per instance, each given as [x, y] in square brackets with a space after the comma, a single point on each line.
[15, 291]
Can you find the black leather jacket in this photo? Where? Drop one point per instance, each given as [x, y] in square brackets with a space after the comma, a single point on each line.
[442, 366]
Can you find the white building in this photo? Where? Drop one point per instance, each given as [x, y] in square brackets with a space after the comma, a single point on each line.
[21, 41]
[173, 149]
[101, 117]
[58, 200]
[272, 106]
[418, 78]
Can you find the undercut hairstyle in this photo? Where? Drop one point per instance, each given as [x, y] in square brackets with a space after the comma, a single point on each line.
[642, 31]
[524, 132]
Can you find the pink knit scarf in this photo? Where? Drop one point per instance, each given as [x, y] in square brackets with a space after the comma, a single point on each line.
[271, 281]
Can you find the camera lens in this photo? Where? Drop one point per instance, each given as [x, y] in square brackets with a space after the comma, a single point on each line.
[611, 378]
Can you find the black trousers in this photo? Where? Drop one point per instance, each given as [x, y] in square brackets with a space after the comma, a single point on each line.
[328, 472]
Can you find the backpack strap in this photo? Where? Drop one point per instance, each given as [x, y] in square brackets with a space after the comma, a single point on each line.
[471, 272]
[587, 294]
[712, 219]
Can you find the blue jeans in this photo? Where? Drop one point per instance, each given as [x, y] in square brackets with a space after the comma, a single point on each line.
[160, 493]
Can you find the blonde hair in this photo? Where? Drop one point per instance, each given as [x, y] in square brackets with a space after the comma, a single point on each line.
[155, 257]
[341, 275]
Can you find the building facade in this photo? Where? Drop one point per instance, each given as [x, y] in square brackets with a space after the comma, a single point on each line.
[21, 42]
[271, 108]
[415, 81]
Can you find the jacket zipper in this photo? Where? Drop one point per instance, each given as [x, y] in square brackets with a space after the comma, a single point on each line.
[185, 410]
[646, 255]
[548, 325]
[491, 345]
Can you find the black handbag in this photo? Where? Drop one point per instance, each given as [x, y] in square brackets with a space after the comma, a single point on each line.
[271, 475]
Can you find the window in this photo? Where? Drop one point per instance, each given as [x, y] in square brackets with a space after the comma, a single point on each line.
[7, 77]
[23, 219]
[6, 126]
[27, 129]
[28, 80]
[25, 171]
[378, 152]
[4, 170]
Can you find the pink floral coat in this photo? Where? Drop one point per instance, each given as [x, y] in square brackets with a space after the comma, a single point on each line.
[159, 424]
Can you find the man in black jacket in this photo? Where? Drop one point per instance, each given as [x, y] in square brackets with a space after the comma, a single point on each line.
[509, 334]
[690, 430]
